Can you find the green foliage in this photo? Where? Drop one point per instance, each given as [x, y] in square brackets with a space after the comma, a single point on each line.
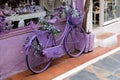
[50, 27]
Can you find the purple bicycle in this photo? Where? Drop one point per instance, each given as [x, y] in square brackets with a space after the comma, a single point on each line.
[43, 47]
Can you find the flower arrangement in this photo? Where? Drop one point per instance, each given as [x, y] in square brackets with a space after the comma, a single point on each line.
[49, 27]
[72, 14]
[75, 18]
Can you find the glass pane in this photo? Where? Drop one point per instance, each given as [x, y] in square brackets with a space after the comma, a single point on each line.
[111, 9]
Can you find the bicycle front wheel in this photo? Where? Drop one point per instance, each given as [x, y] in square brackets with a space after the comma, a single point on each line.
[75, 42]
[36, 61]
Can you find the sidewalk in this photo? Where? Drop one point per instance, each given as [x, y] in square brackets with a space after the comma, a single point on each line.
[104, 67]
[64, 64]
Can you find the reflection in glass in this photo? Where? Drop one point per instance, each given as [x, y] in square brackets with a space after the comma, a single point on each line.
[111, 9]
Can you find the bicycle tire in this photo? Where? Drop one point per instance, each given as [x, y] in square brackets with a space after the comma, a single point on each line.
[72, 40]
[36, 61]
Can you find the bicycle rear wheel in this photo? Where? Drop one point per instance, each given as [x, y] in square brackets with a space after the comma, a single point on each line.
[75, 42]
[36, 61]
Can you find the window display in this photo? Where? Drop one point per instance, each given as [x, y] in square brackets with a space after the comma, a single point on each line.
[26, 10]
[15, 11]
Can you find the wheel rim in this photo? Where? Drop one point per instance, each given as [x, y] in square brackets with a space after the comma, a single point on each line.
[36, 61]
[72, 42]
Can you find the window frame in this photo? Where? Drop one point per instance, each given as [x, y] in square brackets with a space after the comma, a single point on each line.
[101, 17]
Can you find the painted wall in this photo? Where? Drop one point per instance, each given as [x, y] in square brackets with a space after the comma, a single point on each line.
[12, 56]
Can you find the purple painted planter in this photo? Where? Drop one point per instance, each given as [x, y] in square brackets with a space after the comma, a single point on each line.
[90, 42]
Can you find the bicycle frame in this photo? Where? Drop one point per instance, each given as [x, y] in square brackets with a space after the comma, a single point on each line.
[48, 39]
[42, 36]
[54, 52]
[43, 45]
[58, 50]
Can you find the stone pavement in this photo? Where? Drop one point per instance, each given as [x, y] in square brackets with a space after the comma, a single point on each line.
[105, 69]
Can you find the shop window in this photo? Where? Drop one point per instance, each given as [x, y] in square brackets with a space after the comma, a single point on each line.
[111, 9]
[16, 14]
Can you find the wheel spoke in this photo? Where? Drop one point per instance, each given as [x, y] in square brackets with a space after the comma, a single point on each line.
[36, 61]
[74, 42]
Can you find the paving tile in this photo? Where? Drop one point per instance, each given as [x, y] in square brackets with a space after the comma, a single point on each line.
[72, 78]
[59, 60]
[84, 58]
[66, 65]
[66, 79]
[83, 75]
[117, 73]
[80, 78]
[55, 70]
[30, 78]
[19, 76]
[97, 71]
[118, 52]
[90, 55]
[7, 79]
[113, 77]
[27, 73]
[74, 61]
[114, 46]
[116, 57]
[100, 50]
[81, 59]
[45, 76]
[107, 64]
[118, 37]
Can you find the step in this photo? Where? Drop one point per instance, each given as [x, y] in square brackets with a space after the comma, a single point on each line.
[107, 39]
